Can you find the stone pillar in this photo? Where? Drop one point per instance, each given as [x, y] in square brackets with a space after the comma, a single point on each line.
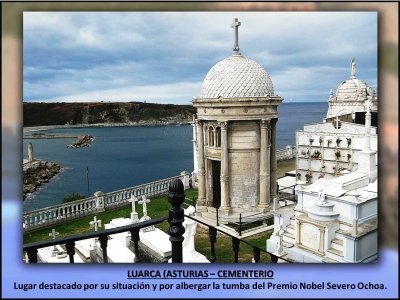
[273, 158]
[201, 201]
[30, 152]
[195, 160]
[265, 187]
[321, 240]
[215, 137]
[225, 203]
[99, 201]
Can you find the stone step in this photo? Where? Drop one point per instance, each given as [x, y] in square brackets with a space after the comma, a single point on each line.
[345, 226]
[337, 241]
[337, 244]
[209, 216]
[334, 254]
[290, 229]
[329, 260]
[289, 238]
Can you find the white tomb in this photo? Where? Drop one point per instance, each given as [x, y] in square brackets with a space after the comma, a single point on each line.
[46, 255]
[117, 252]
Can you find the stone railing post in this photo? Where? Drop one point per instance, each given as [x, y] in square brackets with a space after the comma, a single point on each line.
[99, 201]
[185, 179]
[176, 196]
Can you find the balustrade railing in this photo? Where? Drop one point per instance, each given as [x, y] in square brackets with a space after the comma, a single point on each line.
[176, 197]
[60, 213]
[286, 153]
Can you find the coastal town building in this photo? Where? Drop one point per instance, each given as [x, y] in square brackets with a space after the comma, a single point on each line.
[237, 113]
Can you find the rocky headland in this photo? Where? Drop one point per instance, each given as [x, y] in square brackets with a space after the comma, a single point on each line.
[105, 114]
[82, 141]
[37, 173]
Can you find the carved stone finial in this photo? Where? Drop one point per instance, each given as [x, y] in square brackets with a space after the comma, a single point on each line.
[331, 94]
[353, 68]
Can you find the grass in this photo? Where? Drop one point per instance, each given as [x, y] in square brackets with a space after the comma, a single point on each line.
[158, 207]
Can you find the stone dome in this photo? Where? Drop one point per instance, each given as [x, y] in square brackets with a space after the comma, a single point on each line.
[351, 89]
[237, 77]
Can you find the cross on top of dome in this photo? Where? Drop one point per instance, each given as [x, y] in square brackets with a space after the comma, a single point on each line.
[236, 25]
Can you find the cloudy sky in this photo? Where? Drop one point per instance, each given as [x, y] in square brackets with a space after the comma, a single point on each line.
[163, 57]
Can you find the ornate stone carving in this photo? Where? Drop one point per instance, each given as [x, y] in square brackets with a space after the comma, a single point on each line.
[265, 124]
[223, 125]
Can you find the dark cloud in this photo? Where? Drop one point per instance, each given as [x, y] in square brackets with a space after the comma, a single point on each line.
[90, 55]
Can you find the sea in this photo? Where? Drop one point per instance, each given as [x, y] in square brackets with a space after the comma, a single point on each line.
[121, 157]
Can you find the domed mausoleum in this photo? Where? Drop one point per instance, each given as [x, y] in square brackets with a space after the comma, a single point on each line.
[348, 104]
[235, 142]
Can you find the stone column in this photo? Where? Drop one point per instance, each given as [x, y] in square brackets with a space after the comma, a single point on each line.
[273, 158]
[195, 160]
[265, 187]
[215, 137]
[201, 201]
[321, 240]
[225, 203]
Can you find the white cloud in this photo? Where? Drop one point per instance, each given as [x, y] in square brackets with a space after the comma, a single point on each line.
[180, 93]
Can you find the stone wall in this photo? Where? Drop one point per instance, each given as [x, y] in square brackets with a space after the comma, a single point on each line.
[244, 167]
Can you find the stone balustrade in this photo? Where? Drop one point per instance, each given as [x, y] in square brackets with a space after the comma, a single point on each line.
[60, 213]
[288, 152]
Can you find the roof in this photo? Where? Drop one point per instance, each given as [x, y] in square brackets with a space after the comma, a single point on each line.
[237, 77]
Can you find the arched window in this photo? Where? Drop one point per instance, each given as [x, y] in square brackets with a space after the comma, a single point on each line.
[211, 136]
[218, 137]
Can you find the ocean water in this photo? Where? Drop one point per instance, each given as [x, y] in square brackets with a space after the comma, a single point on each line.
[121, 157]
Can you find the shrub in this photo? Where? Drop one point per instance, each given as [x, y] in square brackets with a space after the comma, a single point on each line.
[72, 197]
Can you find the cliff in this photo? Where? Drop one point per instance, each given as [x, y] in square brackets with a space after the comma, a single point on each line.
[44, 114]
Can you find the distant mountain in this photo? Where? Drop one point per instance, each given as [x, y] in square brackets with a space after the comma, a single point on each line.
[42, 114]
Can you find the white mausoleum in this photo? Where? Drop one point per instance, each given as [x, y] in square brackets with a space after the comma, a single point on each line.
[334, 219]
[347, 103]
[234, 138]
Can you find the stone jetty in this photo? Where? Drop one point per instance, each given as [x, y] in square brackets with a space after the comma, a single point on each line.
[37, 173]
[82, 141]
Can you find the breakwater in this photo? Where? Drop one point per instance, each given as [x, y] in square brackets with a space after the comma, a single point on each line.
[37, 173]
